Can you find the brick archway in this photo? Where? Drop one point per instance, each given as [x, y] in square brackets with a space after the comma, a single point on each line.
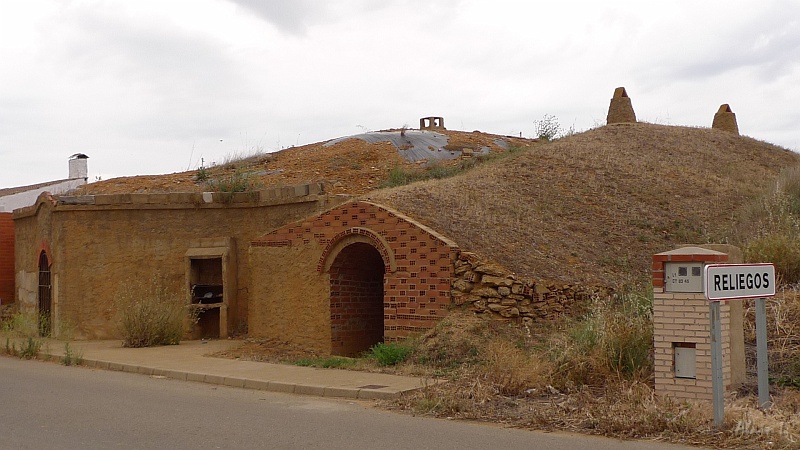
[356, 298]
[356, 234]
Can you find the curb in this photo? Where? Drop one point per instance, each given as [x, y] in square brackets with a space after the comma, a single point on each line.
[359, 393]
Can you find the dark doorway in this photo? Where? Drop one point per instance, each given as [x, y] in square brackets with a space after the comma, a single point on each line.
[207, 288]
[45, 295]
[356, 299]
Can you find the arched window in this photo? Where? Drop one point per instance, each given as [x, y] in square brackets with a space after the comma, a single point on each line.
[45, 295]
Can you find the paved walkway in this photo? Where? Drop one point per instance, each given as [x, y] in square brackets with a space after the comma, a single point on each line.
[188, 361]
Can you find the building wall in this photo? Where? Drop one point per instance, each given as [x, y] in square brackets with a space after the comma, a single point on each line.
[102, 245]
[290, 297]
[6, 258]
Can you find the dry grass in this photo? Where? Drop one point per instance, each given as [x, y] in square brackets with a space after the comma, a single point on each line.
[783, 336]
[147, 315]
[594, 207]
[351, 166]
[509, 376]
[626, 410]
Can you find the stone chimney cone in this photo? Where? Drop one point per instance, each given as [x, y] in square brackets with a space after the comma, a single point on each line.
[725, 120]
[78, 166]
[621, 109]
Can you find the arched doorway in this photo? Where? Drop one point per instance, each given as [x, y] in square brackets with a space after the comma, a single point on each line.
[45, 295]
[356, 299]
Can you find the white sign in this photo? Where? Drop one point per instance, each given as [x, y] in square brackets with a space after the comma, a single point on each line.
[732, 281]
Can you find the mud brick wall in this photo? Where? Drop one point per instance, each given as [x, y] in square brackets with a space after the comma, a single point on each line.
[99, 245]
[6, 258]
[489, 288]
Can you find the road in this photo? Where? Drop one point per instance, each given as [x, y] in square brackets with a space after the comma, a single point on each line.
[45, 405]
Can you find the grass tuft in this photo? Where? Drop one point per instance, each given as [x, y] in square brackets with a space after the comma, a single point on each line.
[333, 362]
[148, 314]
[72, 357]
[389, 354]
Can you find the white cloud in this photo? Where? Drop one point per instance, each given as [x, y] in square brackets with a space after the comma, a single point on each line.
[153, 85]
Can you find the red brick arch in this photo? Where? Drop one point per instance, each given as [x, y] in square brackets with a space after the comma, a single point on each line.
[350, 236]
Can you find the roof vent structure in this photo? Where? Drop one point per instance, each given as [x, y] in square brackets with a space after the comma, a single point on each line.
[725, 120]
[621, 109]
[431, 123]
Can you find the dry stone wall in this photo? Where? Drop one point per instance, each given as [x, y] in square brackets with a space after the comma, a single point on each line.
[489, 288]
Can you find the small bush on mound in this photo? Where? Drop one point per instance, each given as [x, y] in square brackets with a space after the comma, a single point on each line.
[389, 354]
[148, 315]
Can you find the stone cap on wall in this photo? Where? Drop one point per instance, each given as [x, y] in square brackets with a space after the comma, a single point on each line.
[683, 254]
[280, 195]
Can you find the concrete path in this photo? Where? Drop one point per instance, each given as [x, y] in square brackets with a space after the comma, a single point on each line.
[188, 361]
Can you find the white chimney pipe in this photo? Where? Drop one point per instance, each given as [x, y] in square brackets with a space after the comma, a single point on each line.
[78, 166]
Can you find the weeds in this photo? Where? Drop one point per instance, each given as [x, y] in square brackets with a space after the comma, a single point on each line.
[238, 181]
[548, 129]
[22, 324]
[28, 348]
[202, 174]
[389, 354]
[72, 357]
[148, 314]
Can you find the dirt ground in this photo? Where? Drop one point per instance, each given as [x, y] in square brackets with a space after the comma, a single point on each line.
[352, 166]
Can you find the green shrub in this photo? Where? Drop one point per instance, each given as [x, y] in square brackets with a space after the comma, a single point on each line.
[389, 354]
[147, 314]
[779, 248]
[614, 338]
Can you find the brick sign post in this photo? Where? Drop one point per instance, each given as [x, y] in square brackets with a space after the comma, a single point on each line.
[736, 282]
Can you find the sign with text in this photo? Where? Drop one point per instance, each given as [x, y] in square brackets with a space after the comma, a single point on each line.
[734, 281]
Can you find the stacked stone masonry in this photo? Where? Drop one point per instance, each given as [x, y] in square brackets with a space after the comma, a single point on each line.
[491, 289]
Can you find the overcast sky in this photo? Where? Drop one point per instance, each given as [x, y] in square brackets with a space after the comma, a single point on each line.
[147, 87]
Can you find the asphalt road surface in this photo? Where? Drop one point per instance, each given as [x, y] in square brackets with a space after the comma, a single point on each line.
[45, 405]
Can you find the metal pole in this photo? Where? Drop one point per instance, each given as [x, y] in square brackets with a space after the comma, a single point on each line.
[761, 347]
[718, 398]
